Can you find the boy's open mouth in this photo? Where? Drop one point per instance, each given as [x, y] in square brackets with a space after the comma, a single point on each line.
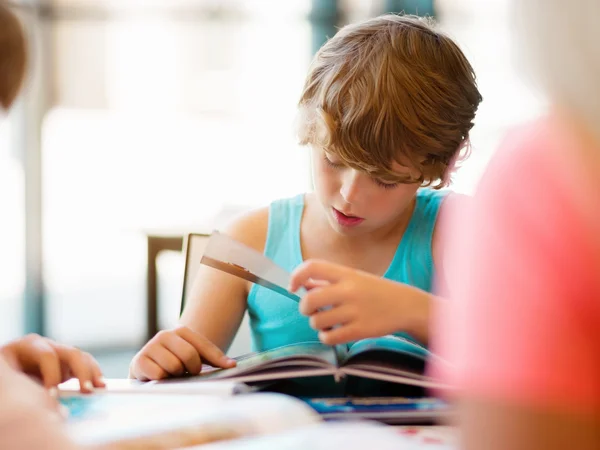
[346, 220]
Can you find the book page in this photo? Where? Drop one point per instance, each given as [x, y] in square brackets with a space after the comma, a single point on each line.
[228, 255]
[389, 358]
[389, 410]
[307, 356]
[392, 343]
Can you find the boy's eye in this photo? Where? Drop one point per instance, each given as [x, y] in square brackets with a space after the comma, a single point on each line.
[385, 185]
[332, 163]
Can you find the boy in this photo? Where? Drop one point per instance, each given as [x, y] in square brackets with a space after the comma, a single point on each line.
[386, 110]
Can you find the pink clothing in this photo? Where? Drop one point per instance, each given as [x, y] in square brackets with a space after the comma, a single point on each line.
[523, 321]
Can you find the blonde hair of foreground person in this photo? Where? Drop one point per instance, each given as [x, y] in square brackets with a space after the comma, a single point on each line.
[13, 56]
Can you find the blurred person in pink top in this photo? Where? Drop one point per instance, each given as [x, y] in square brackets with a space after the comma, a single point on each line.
[522, 326]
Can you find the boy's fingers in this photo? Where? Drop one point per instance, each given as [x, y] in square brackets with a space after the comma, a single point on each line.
[316, 270]
[145, 369]
[185, 351]
[207, 350]
[320, 298]
[166, 360]
[324, 320]
[340, 335]
[312, 284]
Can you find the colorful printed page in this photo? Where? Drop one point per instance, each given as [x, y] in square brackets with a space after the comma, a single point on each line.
[389, 355]
[391, 358]
[395, 344]
[390, 410]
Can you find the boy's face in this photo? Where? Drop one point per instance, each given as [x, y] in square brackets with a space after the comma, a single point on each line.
[353, 201]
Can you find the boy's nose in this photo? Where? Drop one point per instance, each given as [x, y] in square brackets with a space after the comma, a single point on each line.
[351, 186]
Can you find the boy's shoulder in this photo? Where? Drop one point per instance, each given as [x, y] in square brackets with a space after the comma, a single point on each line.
[250, 228]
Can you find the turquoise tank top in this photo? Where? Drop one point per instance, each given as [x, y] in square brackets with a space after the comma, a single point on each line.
[275, 320]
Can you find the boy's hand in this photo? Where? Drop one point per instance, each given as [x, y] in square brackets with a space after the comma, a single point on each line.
[53, 363]
[358, 304]
[175, 352]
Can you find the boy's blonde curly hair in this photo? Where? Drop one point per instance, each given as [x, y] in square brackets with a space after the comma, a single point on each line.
[391, 89]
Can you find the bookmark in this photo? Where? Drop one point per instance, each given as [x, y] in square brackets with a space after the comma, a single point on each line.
[228, 255]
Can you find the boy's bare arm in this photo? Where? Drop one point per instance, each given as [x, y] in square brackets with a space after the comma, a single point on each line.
[210, 319]
[217, 303]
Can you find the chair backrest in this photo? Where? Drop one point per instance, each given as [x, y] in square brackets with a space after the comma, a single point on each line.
[194, 246]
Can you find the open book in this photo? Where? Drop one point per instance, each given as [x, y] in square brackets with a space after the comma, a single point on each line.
[389, 358]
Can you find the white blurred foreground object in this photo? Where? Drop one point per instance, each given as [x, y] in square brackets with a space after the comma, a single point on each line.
[347, 436]
[148, 421]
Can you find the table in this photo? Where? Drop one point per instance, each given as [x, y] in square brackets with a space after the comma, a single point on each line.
[132, 409]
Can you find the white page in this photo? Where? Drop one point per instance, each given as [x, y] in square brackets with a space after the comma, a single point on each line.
[224, 249]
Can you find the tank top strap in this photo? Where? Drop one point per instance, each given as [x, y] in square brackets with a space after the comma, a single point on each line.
[413, 261]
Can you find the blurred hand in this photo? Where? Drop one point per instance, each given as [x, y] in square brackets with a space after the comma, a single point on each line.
[358, 304]
[29, 416]
[23, 393]
[53, 363]
[175, 352]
